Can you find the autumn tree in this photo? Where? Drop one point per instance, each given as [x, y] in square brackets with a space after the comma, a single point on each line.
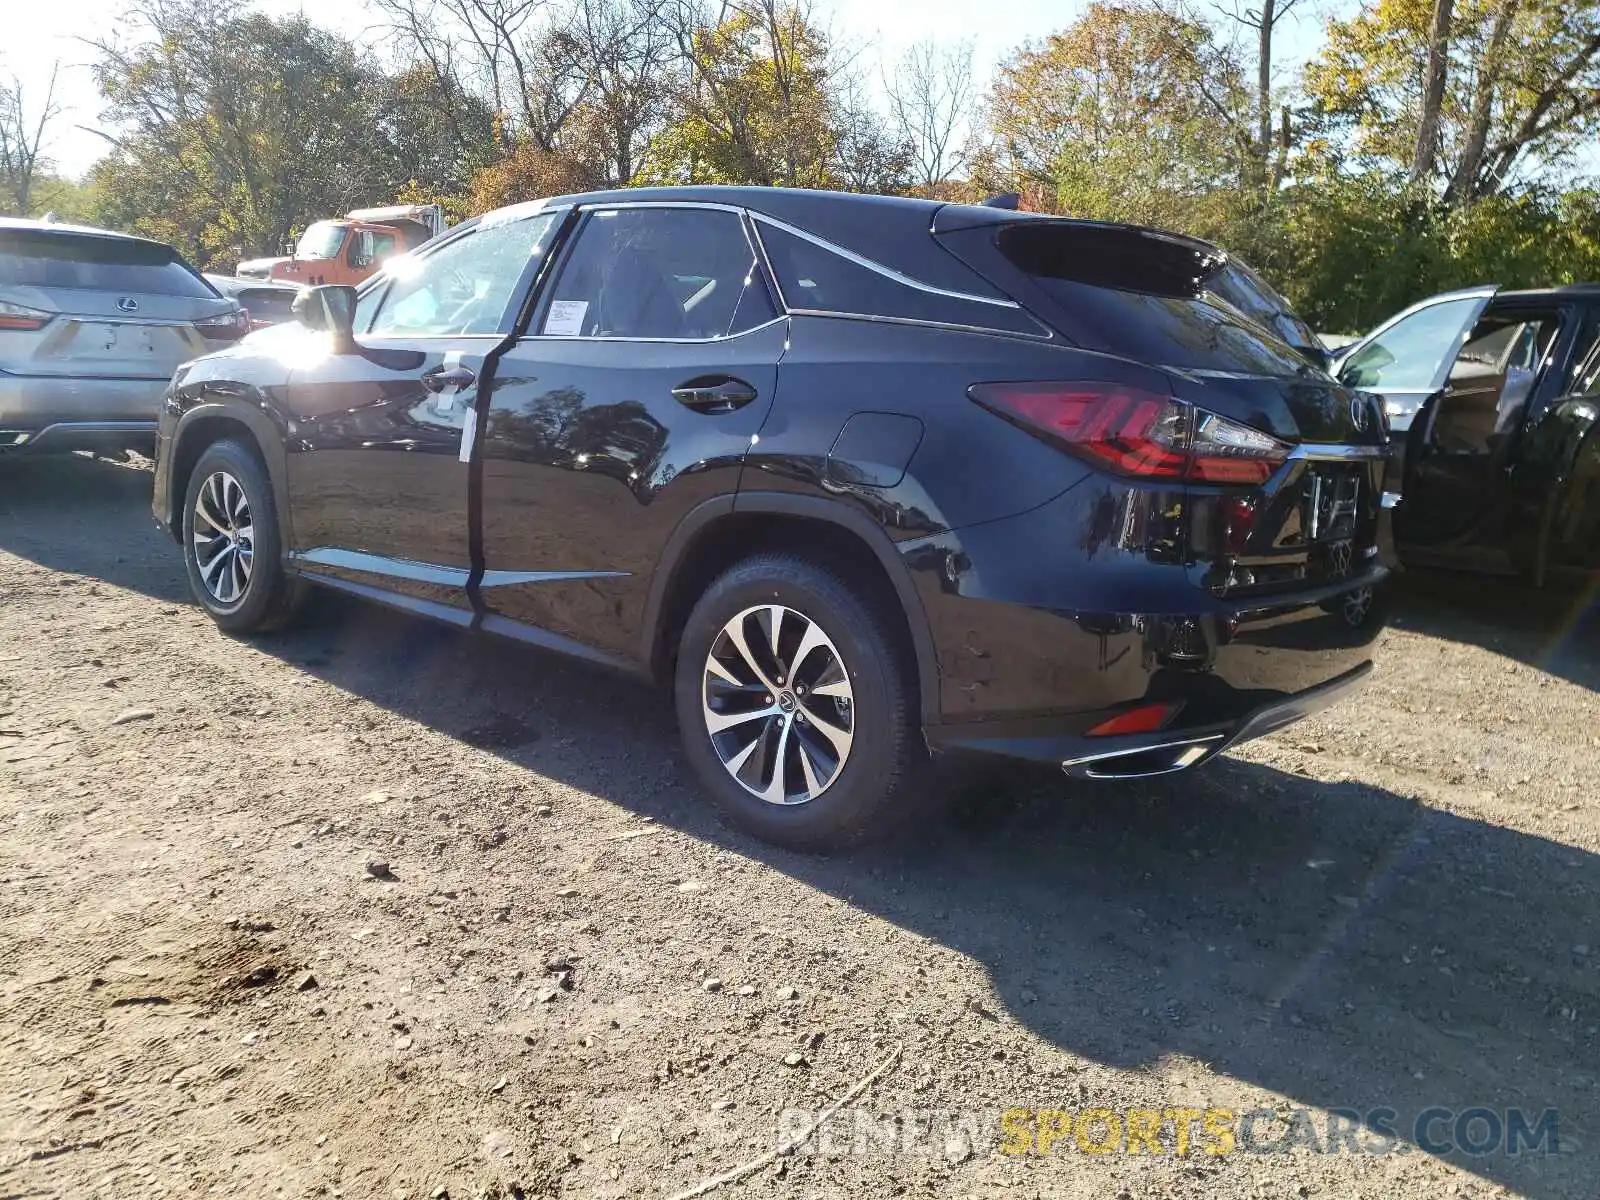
[753, 105]
[1517, 84]
[1130, 113]
[233, 130]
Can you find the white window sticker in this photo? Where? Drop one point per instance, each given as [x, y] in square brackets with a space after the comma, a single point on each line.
[565, 318]
[469, 433]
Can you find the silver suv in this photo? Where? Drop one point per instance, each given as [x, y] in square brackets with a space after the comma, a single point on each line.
[92, 326]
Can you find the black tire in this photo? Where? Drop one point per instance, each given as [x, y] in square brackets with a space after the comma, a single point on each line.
[269, 597]
[873, 791]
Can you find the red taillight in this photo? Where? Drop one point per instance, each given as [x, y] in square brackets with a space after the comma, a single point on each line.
[1147, 718]
[1135, 432]
[17, 316]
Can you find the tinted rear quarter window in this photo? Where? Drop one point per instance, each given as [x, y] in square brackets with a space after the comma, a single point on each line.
[816, 279]
[101, 264]
[1144, 295]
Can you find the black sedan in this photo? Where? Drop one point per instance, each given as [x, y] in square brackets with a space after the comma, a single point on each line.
[863, 479]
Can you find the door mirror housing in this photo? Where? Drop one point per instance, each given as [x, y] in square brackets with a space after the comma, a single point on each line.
[330, 308]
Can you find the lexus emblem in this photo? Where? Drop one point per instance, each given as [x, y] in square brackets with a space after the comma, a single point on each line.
[127, 304]
[1360, 412]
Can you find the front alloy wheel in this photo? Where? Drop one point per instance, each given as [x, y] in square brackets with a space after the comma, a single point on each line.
[224, 538]
[778, 704]
[233, 549]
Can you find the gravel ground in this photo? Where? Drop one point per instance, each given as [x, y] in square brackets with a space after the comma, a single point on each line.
[570, 980]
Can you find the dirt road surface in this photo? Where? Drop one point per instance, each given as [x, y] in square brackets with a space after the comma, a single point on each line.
[571, 981]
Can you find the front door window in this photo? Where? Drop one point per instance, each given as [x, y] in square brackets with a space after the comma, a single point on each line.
[1409, 355]
[465, 287]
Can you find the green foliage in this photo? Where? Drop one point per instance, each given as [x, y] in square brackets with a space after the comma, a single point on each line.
[236, 130]
[1522, 88]
[242, 129]
[1130, 113]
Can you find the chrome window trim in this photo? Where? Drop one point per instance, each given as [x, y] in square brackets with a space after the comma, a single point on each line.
[1044, 335]
[727, 337]
[878, 268]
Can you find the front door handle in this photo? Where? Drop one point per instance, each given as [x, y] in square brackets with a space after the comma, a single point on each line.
[441, 380]
[714, 393]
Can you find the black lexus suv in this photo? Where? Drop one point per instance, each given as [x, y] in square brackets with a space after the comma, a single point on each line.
[862, 478]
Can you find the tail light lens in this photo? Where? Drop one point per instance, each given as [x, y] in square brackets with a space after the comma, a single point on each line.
[226, 326]
[1135, 432]
[17, 316]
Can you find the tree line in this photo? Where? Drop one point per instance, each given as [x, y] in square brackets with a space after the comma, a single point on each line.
[1430, 144]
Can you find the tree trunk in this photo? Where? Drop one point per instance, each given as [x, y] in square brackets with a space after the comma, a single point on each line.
[1264, 79]
[1463, 187]
[1433, 90]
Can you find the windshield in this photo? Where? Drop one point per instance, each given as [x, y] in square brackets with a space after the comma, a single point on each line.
[321, 239]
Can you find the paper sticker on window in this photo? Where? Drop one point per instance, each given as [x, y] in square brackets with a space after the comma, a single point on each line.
[565, 318]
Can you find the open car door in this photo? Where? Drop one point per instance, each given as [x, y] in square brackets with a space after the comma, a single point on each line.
[1461, 447]
[1407, 358]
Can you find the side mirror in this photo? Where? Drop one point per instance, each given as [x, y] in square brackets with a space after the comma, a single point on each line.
[331, 308]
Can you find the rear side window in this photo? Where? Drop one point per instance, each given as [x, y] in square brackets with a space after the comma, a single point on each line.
[96, 264]
[816, 279]
[1145, 296]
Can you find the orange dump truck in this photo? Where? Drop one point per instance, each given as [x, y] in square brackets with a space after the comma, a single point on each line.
[347, 249]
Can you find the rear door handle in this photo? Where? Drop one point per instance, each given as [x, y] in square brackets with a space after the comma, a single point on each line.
[440, 379]
[714, 393]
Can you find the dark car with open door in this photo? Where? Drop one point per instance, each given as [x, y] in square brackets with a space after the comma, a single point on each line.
[1498, 397]
[862, 479]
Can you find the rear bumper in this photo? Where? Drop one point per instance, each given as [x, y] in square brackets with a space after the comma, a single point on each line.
[1041, 635]
[46, 413]
[1145, 755]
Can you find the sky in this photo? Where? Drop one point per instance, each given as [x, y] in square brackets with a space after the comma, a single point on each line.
[41, 33]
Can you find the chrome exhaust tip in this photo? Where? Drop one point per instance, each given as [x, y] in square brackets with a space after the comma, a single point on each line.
[1144, 762]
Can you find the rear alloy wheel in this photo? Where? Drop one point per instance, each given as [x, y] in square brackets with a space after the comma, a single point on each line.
[778, 705]
[232, 548]
[796, 704]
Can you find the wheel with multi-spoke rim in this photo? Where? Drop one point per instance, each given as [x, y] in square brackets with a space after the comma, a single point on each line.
[795, 704]
[232, 546]
[223, 537]
[1356, 606]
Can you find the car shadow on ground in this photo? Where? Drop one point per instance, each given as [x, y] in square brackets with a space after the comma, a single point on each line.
[1332, 942]
[1555, 628]
[87, 516]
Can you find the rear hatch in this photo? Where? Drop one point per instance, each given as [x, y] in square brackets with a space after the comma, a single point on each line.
[1300, 508]
[101, 306]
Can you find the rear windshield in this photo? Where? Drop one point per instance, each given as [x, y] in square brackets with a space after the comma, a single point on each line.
[103, 264]
[1146, 296]
[1258, 300]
